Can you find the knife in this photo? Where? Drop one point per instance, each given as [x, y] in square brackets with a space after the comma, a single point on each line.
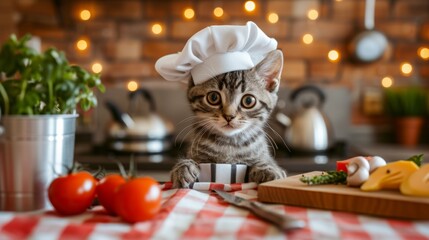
[282, 221]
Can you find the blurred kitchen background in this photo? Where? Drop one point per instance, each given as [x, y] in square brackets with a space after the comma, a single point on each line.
[122, 39]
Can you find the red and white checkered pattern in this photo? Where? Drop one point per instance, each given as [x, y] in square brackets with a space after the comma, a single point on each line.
[190, 214]
[206, 186]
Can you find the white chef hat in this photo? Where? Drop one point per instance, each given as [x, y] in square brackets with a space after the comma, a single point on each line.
[216, 50]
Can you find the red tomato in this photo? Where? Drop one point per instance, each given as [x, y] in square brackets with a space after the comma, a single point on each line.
[106, 189]
[342, 165]
[138, 199]
[73, 193]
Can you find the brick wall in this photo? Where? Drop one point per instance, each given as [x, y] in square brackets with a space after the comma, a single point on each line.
[7, 19]
[120, 36]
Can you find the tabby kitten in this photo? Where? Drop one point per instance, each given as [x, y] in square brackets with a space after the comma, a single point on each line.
[232, 110]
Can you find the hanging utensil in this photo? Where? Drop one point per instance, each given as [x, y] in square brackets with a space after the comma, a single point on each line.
[370, 44]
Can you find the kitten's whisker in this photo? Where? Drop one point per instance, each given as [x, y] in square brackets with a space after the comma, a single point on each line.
[271, 140]
[198, 139]
[201, 136]
[205, 121]
[275, 132]
[203, 125]
[187, 129]
[184, 129]
[192, 125]
[187, 119]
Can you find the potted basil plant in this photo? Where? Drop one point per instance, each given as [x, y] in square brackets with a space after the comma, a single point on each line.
[39, 93]
[408, 108]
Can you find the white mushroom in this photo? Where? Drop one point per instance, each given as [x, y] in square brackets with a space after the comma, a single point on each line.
[375, 162]
[358, 171]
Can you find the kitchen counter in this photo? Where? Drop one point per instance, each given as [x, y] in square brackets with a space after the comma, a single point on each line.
[393, 152]
[159, 165]
[191, 214]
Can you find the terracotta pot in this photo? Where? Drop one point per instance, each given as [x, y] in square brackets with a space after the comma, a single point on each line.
[408, 130]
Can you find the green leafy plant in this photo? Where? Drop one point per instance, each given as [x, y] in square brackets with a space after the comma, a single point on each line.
[406, 102]
[417, 159]
[42, 83]
[329, 177]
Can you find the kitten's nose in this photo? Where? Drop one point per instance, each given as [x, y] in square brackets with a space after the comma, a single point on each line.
[228, 118]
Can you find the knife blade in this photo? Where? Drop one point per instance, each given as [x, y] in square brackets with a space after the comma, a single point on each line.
[282, 221]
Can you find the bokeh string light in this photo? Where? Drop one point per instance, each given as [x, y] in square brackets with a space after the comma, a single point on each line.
[387, 82]
[273, 18]
[97, 67]
[312, 14]
[406, 68]
[250, 6]
[307, 38]
[82, 44]
[218, 12]
[423, 53]
[189, 13]
[156, 28]
[132, 86]
[333, 56]
[85, 15]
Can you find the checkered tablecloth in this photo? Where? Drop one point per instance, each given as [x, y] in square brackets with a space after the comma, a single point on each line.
[192, 214]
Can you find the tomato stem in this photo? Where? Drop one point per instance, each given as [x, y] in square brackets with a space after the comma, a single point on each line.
[122, 169]
[133, 167]
[100, 173]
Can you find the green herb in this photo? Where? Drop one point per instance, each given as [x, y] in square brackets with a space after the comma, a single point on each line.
[406, 101]
[417, 159]
[45, 83]
[330, 177]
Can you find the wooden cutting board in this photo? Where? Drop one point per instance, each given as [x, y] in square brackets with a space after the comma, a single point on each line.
[291, 191]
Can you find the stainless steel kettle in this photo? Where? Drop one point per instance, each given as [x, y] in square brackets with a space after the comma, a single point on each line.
[308, 129]
[142, 133]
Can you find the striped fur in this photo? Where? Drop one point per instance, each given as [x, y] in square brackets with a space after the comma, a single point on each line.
[231, 131]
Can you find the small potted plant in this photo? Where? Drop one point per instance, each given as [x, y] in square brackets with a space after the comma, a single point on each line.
[408, 107]
[39, 93]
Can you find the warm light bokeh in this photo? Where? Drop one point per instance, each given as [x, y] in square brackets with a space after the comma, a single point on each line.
[85, 15]
[307, 38]
[156, 28]
[273, 17]
[82, 44]
[333, 56]
[406, 68]
[250, 6]
[218, 12]
[312, 14]
[132, 85]
[387, 82]
[189, 13]
[97, 67]
[423, 52]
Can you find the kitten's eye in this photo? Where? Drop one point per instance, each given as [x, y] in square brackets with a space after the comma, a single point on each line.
[248, 101]
[213, 98]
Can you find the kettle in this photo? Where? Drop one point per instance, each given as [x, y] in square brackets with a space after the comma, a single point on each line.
[309, 129]
[148, 133]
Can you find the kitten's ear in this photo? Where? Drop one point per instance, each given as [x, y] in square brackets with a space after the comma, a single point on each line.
[270, 69]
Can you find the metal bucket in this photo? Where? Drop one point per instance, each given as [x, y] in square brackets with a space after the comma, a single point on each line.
[33, 150]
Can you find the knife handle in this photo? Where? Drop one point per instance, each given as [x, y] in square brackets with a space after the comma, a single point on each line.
[282, 221]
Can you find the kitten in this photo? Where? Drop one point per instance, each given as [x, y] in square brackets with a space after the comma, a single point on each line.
[231, 111]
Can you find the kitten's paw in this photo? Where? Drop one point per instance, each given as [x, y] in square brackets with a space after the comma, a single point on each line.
[184, 173]
[265, 173]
